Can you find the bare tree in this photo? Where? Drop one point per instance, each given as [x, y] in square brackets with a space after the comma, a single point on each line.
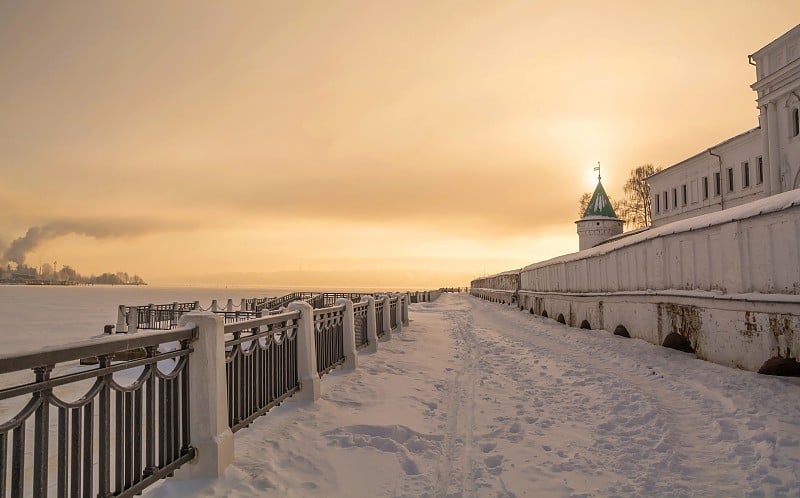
[639, 203]
[583, 203]
[625, 212]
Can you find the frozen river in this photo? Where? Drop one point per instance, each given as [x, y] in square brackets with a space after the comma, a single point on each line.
[35, 316]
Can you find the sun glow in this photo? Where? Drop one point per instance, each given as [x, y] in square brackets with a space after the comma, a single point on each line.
[591, 180]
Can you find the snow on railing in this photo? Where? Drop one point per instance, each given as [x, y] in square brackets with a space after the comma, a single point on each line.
[156, 401]
[125, 430]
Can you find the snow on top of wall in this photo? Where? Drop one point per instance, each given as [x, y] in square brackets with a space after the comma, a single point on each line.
[509, 272]
[758, 297]
[770, 204]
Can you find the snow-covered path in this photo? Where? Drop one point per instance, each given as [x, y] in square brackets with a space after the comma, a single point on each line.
[480, 399]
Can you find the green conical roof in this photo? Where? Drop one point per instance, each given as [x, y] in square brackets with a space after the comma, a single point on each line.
[600, 204]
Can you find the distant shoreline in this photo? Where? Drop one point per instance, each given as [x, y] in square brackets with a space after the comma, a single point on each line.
[55, 282]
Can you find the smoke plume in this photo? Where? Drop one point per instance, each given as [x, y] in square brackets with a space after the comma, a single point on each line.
[105, 229]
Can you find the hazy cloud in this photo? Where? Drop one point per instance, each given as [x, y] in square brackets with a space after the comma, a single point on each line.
[269, 123]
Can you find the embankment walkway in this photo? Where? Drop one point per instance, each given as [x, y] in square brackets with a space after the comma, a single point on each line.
[480, 399]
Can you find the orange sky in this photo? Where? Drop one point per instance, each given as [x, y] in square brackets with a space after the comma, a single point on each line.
[427, 142]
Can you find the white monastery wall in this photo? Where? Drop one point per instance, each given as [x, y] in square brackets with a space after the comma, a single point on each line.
[728, 282]
[506, 281]
[750, 248]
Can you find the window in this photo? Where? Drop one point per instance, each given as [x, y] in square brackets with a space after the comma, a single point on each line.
[684, 199]
[666, 201]
[657, 198]
[795, 125]
[705, 187]
[759, 170]
[675, 198]
[717, 185]
[730, 179]
[745, 174]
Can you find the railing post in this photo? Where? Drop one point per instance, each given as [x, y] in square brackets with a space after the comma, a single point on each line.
[173, 316]
[229, 306]
[133, 320]
[387, 317]
[243, 305]
[406, 302]
[399, 312]
[150, 316]
[122, 321]
[306, 352]
[349, 331]
[214, 305]
[372, 325]
[208, 398]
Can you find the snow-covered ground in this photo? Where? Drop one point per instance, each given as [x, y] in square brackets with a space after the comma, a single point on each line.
[480, 399]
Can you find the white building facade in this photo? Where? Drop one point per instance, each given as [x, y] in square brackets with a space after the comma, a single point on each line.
[758, 163]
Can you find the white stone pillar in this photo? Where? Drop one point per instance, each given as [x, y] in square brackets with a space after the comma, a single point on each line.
[306, 352]
[406, 302]
[122, 321]
[133, 320]
[229, 306]
[150, 316]
[173, 315]
[372, 325]
[243, 304]
[387, 318]
[399, 312]
[208, 399]
[214, 305]
[774, 152]
[349, 329]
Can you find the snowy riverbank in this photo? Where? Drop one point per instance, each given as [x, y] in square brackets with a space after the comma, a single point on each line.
[478, 399]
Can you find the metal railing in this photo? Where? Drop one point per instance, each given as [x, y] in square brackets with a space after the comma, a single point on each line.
[329, 338]
[360, 311]
[160, 316]
[166, 316]
[114, 438]
[238, 316]
[259, 304]
[330, 298]
[260, 366]
[255, 303]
